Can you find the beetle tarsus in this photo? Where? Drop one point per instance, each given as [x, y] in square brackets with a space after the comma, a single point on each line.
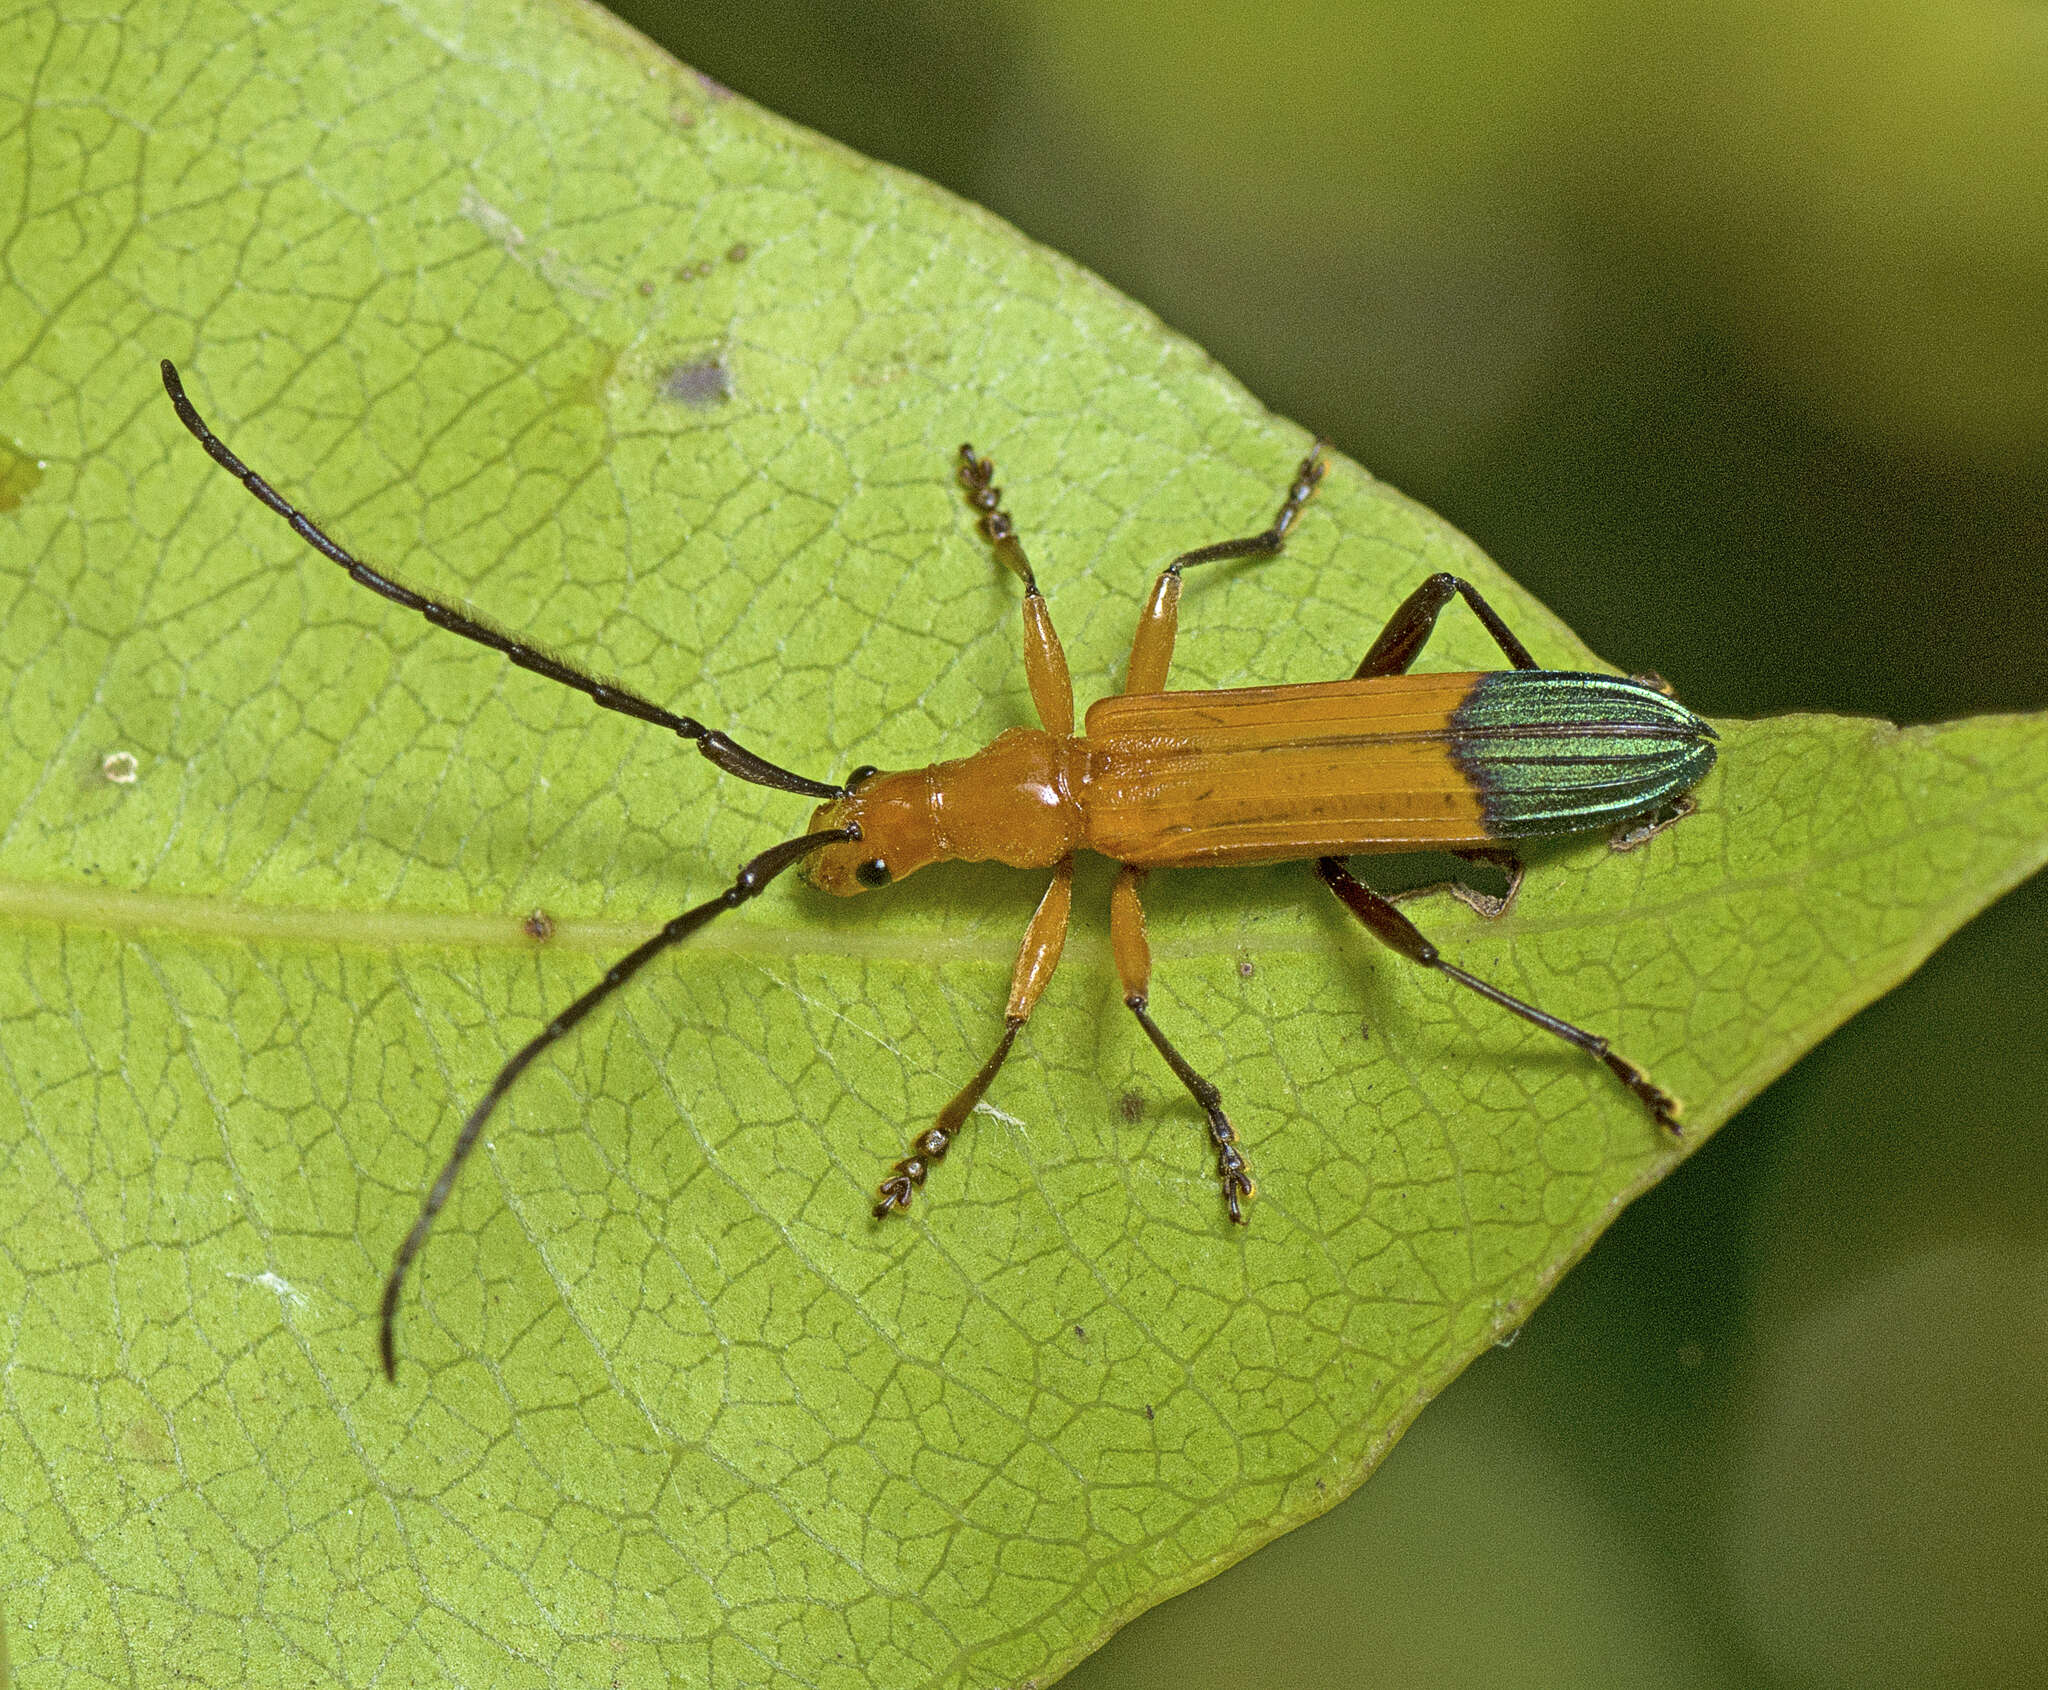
[1237, 1184]
[1663, 1107]
[929, 1148]
[1308, 475]
[977, 481]
[907, 1178]
[896, 1191]
[1231, 1172]
[1646, 828]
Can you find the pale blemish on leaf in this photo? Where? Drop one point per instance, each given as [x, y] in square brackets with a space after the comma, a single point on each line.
[492, 221]
[506, 233]
[280, 1287]
[570, 277]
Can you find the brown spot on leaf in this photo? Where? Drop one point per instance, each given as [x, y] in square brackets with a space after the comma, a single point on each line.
[147, 1439]
[20, 475]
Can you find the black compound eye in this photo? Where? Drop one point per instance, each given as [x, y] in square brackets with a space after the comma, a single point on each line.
[873, 872]
[860, 774]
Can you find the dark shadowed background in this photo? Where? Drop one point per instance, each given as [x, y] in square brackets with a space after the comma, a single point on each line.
[1724, 327]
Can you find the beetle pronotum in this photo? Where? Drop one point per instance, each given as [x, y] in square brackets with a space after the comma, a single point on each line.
[1385, 761]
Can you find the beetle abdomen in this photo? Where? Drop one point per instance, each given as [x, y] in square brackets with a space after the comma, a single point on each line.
[1552, 751]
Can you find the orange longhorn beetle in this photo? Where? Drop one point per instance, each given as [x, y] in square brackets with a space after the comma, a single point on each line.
[1386, 761]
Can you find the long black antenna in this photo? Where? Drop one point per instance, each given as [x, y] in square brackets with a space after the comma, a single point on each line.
[734, 759]
[750, 881]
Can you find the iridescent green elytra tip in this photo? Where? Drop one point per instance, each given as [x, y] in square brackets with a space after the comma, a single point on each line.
[1555, 751]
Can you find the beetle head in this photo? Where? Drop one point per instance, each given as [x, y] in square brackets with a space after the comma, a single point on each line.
[898, 833]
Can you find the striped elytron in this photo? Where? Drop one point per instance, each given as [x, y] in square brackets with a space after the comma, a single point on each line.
[1386, 761]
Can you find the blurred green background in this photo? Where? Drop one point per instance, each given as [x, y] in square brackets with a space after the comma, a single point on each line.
[1724, 327]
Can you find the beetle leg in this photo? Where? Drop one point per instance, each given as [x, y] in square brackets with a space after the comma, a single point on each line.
[1486, 904]
[1408, 629]
[1134, 968]
[1646, 828]
[1045, 663]
[1392, 928]
[1036, 959]
[1152, 646]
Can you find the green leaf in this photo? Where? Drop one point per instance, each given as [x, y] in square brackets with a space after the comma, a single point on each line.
[534, 317]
